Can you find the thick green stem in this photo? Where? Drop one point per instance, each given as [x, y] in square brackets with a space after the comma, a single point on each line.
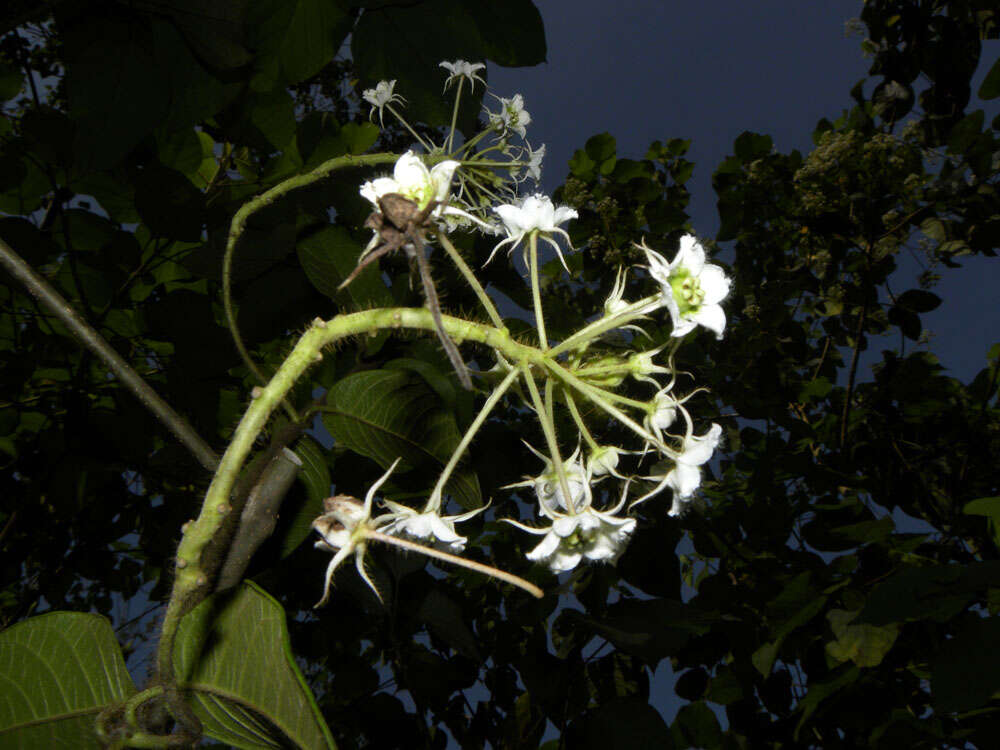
[191, 582]
[434, 501]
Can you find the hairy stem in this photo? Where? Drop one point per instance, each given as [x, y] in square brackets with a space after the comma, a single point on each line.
[191, 581]
[487, 570]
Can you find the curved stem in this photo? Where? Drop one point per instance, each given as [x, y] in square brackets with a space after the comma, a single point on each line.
[434, 501]
[41, 290]
[239, 222]
[191, 582]
[470, 277]
[487, 570]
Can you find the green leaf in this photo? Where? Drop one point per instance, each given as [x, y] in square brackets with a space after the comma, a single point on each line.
[818, 692]
[387, 414]
[405, 43]
[328, 257]
[990, 87]
[511, 31]
[315, 476]
[919, 300]
[11, 81]
[865, 645]
[935, 592]
[989, 507]
[749, 146]
[444, 619]
[966, 672]
[699, 725]
[273, 113]
[234, 661]
[58, 671]
[619, 724]
[315, 32]
[965, 132]
[602, 150]
[169, 204]
[650, 629]
[764, 657]
[116, 104]
[180, 149]
[908, 322]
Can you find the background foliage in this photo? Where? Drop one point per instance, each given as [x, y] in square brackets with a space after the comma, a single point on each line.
[837, 589]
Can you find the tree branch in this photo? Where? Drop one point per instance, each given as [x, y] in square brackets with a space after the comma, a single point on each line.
[41, 290]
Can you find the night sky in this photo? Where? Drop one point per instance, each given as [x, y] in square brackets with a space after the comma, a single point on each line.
[647, 70]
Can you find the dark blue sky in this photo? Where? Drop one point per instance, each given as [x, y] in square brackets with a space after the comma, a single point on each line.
[646, 70]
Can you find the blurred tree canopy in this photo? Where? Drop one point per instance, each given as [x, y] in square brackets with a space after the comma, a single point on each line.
[838, 587]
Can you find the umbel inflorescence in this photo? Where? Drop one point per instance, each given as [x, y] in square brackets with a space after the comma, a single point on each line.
[435, 190]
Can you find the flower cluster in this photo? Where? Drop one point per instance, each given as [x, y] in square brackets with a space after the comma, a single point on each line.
[461, 186]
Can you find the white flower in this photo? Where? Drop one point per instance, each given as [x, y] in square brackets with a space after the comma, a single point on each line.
[535, 214]
[460, 69]
[600, 536]
[534, 163]
[429, 527]
[614, 304]
[344, 528]
[663, 412]
[380, 97]
[642, 366]
[604, 460]
[691, 288]
[511, 117]
[685, 477]
[412, 179]
[548, 489]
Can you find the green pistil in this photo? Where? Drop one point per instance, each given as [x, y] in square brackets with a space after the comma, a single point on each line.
[687, 291]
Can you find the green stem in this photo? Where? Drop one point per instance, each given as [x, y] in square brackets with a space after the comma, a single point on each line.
[434, 501]
[454, 113]
[502, 575]
[239, 222]
[602, 325]
[191, 580]
[470, 277]
[467, 146]
[581, 425]
[549, 430]
[406, 125]
[599, 397]
[536, 294]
